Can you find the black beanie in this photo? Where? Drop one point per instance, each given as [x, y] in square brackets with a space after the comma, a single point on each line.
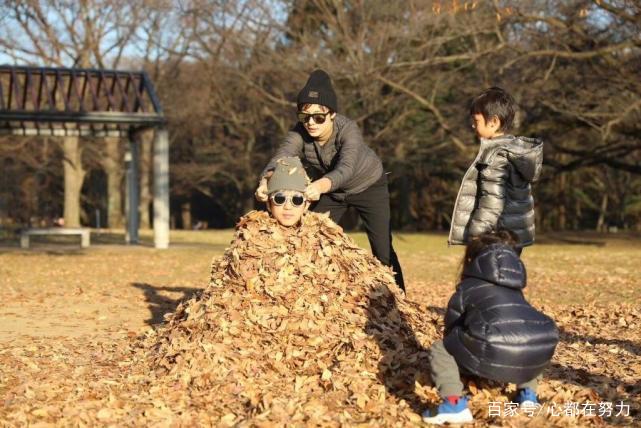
[318, 90]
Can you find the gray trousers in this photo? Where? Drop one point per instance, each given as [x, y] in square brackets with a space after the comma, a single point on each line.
[446, 373]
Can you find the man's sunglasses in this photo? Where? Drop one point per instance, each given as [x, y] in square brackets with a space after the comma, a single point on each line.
[319, 118]
[281, 199]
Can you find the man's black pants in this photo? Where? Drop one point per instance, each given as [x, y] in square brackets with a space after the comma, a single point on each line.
[373, 207]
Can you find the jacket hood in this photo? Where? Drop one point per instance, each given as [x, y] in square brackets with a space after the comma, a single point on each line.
[500, 265]
[526, 154]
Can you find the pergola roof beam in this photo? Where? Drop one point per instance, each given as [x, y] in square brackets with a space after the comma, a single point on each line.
[66, 96]
[112, 117]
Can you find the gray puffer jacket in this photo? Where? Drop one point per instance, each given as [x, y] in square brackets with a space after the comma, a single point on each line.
[495, 192]
[350, 164]
[490, 329]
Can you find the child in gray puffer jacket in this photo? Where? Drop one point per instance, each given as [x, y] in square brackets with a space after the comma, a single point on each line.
[496, 189]
[491, 331]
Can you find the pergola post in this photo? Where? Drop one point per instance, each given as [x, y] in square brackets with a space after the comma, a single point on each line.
[161, 188]
[132, 180]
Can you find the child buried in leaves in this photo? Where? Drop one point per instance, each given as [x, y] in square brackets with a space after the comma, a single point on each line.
[284, 331]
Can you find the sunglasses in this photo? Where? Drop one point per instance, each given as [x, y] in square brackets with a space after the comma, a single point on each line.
[281, 198]
[319, 118]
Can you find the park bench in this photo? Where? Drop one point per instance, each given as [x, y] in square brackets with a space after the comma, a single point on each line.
[83, 232]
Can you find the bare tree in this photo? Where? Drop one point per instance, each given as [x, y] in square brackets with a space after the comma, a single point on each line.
[228, 72]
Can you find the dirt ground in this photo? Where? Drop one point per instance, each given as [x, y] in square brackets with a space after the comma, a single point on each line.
[61, 297]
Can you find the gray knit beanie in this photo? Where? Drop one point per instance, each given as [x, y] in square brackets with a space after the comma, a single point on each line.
[289, 174]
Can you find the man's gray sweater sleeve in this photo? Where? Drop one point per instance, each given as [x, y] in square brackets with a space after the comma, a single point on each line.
[292, 146]
[352, 144]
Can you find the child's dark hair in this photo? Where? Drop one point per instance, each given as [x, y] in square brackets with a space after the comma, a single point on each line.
[497, 102]
[479, 243]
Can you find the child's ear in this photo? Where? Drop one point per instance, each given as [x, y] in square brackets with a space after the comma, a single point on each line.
[495, 122]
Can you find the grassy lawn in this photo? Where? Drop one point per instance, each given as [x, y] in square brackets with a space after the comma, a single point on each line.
[134, 279]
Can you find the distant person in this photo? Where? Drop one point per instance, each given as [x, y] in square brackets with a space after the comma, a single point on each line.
[496, 190]
[200, 225]
[346, 171]
[491, 331]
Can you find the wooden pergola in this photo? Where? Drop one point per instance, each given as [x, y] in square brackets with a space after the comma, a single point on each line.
[69, 102]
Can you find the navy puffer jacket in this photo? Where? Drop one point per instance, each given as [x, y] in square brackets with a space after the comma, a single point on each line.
[490, 329]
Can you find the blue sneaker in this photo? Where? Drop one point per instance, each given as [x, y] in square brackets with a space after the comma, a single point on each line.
[526, 397]
[452, 411]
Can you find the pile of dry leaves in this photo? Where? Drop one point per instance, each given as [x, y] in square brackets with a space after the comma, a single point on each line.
[297, 327]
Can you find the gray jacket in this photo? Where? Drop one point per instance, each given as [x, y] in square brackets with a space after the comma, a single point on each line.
[495, 192]
[345, 159]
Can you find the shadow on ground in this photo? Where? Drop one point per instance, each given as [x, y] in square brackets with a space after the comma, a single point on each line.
[610, 389]
[404, 360]
[571, 337]
[159, 304]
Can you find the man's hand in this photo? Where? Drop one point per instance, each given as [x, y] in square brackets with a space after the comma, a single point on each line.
[312, 193]
[317, 188]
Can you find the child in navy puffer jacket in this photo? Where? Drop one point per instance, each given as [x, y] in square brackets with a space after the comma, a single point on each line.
[491, 331]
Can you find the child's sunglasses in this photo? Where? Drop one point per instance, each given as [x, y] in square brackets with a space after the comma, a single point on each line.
[319, 118]
[281, 199]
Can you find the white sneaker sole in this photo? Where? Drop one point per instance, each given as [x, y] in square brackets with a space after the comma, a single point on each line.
[463, 417]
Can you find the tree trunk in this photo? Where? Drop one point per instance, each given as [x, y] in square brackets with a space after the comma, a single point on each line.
[146, 140]
[600, 224]
[404, 218]
[248, 202]
[74, 176]
[562, 212]
[185, 209]
[112, 163]
[248, 185]
[29, 190]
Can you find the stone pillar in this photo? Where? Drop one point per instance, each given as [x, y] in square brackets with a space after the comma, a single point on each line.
[161, 188]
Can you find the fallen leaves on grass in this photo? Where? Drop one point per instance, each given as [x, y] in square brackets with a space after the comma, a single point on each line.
[300, 326]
